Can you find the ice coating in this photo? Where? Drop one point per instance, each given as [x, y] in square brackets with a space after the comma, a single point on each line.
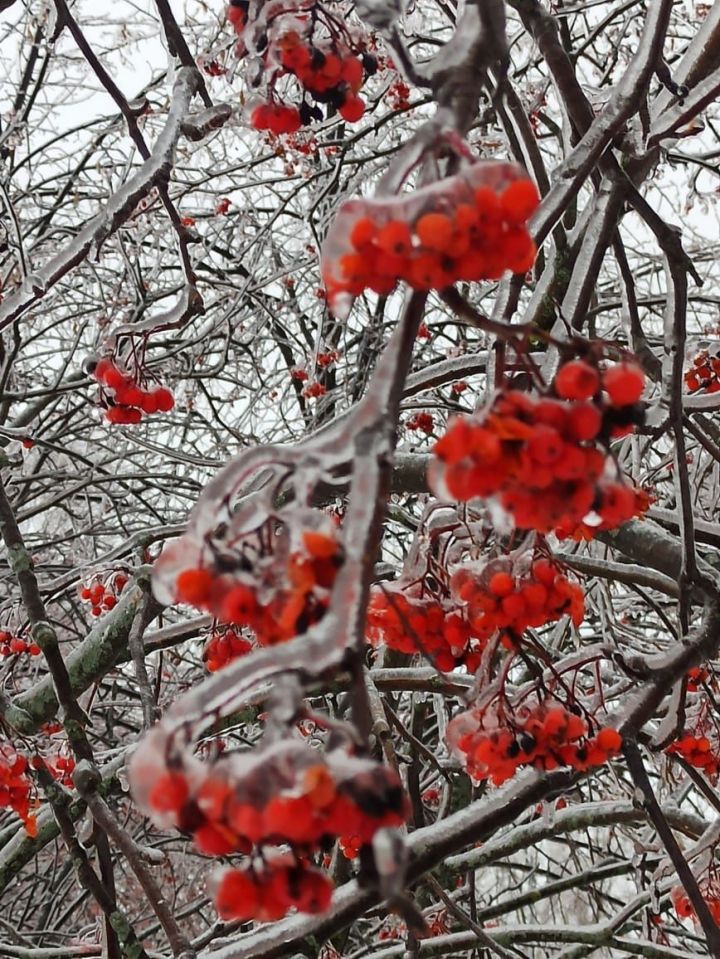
[177, 555]
[446, 196]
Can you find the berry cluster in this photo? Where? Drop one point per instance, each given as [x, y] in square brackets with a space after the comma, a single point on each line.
[398, 94]
[700, 752]
[699, 744]
[281, 585]
[61, 769]
[13, 645]
[471, 226]
[709, 886]
[268, 892]
[223, 646]
[510, 597]
[15, 786]
[546, 459]
[704, 375]
[103, 591]
[276, 118]
[328, 64]
[422, 422]
[450, 619]
[288, 794]
[696, 677]
[125, 398]
[407, 618]
[493, 744]
[314, 390]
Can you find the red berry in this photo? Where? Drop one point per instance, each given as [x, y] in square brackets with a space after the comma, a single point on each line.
[584, 421]
[624, 383]
[193, 586]
[237, 896]
[577, 380]
[164, 400]
[501, 584]
[352, 109]
[519, 201]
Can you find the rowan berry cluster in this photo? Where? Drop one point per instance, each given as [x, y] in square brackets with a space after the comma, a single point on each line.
[124, 397]
[410, 619]
[13, 645]
[15, 786]
[450, 614]
[709, 887]
[494, 744]
[61, 769]
[328, 63]
[398, 94]
[102, 592]
[223, 646]
[700, 752]
[314, 390]
[421, 422]
[288, 794]
[277, 582]
[510, 597]
[350, 846]
[471, 226]
[696, 677]
[704, 375]
[545, 459]
[268, 892]
[699, 744]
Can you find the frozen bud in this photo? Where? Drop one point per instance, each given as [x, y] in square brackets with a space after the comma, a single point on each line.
[90, 364]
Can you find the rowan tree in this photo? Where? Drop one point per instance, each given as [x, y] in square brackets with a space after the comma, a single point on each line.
[359, 470]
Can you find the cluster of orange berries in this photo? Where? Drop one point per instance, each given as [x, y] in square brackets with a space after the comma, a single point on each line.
[268, 892]
[451, 624]
[545, 736]
[350, 846]
[125, 398]
[699, 744]
[696, 677]
[15, 786]
[459, 229]
[287, 794]
[546, 459]
[329, 69]
[398, 94]
[13, 645]
[295, 585]
[700, 752]
[411, 620]
[276, 118]
[508, 598]
[314, 390]
[704, 375]
[102, 592]
[223, 646]
[422, 422]
[710, 889]
[61, 769]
